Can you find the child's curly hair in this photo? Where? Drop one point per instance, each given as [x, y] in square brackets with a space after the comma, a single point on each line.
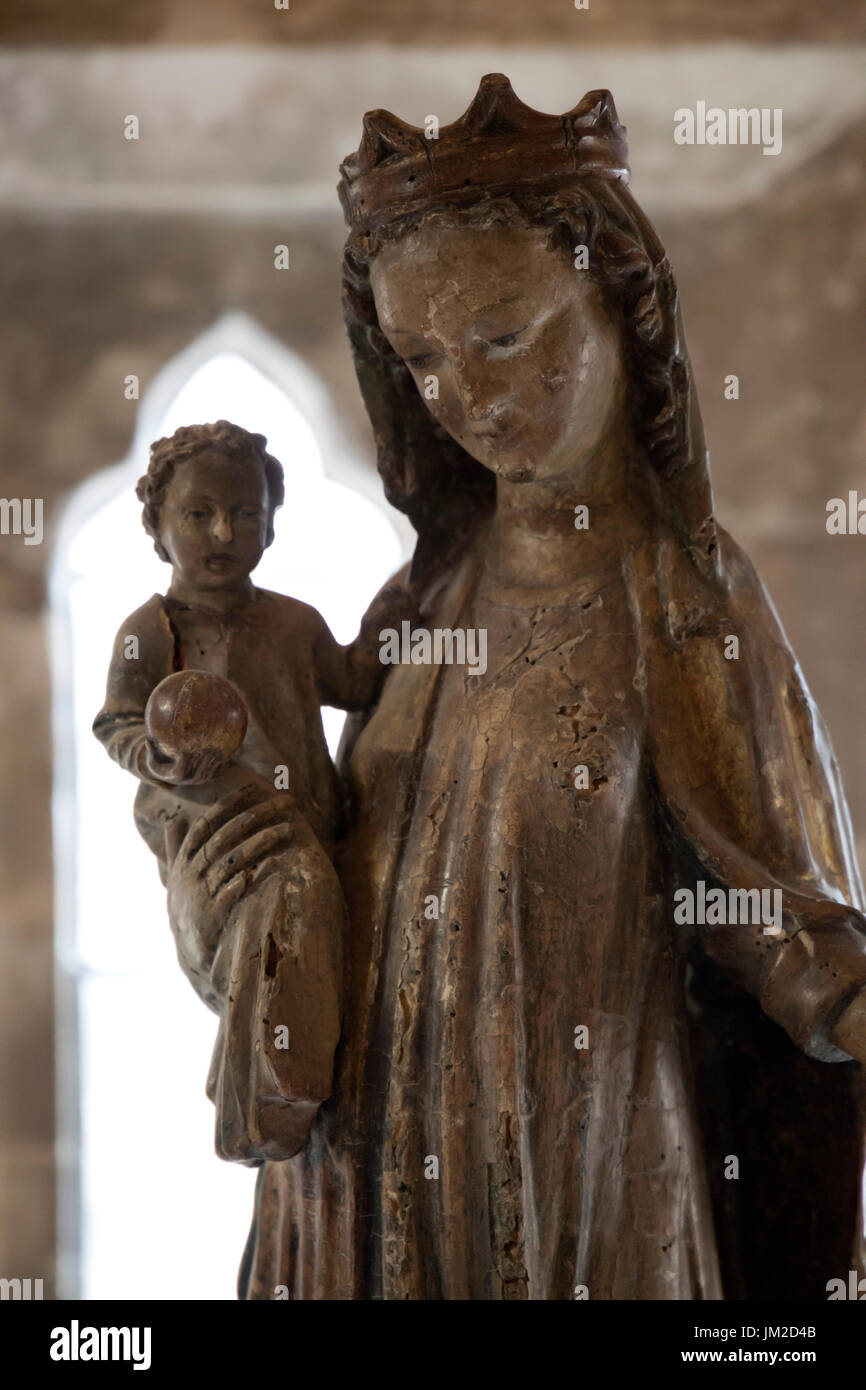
[222, 437]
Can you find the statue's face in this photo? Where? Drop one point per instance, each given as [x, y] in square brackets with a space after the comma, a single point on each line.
[519, 344]
[214, 519]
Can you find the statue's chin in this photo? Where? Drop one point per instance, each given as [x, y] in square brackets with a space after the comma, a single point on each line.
[510, 469]
[516, 473]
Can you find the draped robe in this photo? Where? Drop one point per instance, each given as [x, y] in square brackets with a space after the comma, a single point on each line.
[474, 1148]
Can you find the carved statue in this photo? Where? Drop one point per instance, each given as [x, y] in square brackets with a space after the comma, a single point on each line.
[605, 925]
[213, 699]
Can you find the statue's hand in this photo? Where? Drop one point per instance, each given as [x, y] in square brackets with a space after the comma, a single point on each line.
[391, 606]
[179, 768]
[211, 864]
[850, 1030]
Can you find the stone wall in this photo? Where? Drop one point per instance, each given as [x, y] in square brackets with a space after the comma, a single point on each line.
[650, 22]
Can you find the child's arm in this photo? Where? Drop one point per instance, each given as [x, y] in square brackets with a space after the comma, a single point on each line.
[144, 653]
[350, 677]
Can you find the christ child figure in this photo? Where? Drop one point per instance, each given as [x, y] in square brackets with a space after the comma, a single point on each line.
[213, 699]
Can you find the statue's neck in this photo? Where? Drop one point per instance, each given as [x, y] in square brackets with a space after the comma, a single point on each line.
[549, 533]
[219, 602]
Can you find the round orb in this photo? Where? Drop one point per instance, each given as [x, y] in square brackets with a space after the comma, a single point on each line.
[195, 712]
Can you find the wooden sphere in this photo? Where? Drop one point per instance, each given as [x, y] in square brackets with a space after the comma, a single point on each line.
[195, 712]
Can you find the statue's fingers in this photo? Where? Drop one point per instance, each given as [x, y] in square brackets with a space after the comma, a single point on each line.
[175, 833]
[216, 817]
[230, 893]
[263, 869]
[248, 854]
[207, 767]
[227, 837]
[197, 836]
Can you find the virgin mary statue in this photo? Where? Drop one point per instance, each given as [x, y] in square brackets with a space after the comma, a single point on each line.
[604, 1017]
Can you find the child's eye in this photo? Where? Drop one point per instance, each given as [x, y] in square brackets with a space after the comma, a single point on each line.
[250, 513]
[194, 516]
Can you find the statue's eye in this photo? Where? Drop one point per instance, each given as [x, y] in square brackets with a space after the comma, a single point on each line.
[508, 338]
[420, 359]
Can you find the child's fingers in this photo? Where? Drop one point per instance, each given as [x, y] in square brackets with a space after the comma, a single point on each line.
[206, 767]
[248, 854]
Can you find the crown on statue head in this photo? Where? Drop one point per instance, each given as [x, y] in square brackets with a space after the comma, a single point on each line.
[498, 145]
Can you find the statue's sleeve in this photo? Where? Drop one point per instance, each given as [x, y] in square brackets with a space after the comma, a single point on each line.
[750, 789]
[350, 677]
[143, 654]
[346, 677]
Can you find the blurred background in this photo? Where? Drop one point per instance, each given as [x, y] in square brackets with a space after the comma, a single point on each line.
[139, 291]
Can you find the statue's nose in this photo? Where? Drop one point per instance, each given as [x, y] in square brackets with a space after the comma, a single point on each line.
[487, 417]
[222, 527]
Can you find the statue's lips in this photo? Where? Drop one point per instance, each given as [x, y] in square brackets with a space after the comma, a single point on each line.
[500, 439]
[219, 563]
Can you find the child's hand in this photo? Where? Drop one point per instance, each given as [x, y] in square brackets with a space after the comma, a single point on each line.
[177, 768]
[394, 605]
[203, 767]
[195, 724]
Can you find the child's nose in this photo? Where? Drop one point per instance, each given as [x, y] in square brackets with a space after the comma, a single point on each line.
[222, 527]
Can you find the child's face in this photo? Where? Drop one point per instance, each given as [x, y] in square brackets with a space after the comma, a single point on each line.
[214, 520]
